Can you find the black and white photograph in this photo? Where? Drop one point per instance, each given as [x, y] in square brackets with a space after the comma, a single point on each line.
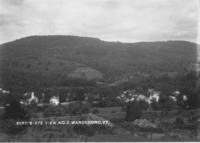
[99, 70]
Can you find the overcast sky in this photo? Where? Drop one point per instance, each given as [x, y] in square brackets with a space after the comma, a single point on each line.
[110, 20]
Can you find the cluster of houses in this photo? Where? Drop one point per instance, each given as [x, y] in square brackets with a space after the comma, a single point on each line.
[152, 95]
[31, 98]
[131, 95]
[3, 91]
[126, 96]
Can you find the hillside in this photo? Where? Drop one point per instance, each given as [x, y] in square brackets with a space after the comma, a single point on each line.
[58, 57]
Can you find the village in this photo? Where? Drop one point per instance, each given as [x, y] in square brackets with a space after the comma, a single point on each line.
[87, 108]
[151, 96]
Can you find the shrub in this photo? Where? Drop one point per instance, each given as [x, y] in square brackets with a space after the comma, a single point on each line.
[166, 103]
[54, 111]
[84, 130]
[39, 63]
[28, 66]
[155, 105]
[95, 111]
[193, 123]
[113, 111]
[179, 122]
[49, 63]
[85, 108]
[79, 108]
[144, 124]
[61, 63]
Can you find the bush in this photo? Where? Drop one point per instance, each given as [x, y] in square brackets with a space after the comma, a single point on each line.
[9, 127]
[179, 122]
[155, 105]
[79, 108]
[113, 111]
[144, 124]
[76, 108]
[95, 111]
[84, 130]
[39, 63]
[166, 103]
[28, 66]
[193, 123]
[85, 108]
[54, 111]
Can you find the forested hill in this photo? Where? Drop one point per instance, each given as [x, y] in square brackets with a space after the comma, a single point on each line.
[58, 56]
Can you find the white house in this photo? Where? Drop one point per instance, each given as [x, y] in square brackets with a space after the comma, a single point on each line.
[23, 103]
[4, 91]
[131, 95]
[173, 98]
[185, 98]
[155, 96]
[32, 99]
[140, 97]
[176, 93]
[54, 100]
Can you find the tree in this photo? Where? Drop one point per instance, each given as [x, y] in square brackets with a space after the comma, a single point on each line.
[155, 105]
[54, 111]
[79, 94]
[134, 109]
[179, 122]
[13, 113]
[166, 103]
[189, 85]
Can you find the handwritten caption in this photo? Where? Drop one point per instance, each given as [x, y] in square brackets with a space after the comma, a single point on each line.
[62, 122]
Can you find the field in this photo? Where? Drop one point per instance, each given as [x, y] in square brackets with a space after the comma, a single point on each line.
[121, 131]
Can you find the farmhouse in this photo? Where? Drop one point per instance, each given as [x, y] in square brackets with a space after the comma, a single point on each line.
[131, 95]
[54, 100]
[4, 91]
[173, 98]
[30, 98]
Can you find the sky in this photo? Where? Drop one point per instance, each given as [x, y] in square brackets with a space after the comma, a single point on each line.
[109, 20]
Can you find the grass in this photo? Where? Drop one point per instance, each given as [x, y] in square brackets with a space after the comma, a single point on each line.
[111, 113]
[117, 133]
[63, 133]
[107, 110]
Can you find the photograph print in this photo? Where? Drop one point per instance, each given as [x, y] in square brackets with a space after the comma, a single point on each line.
[99, 70]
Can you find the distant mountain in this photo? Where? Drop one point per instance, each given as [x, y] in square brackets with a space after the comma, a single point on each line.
[56, 57]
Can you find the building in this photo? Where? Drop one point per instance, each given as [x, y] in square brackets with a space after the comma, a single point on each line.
[54, 100]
